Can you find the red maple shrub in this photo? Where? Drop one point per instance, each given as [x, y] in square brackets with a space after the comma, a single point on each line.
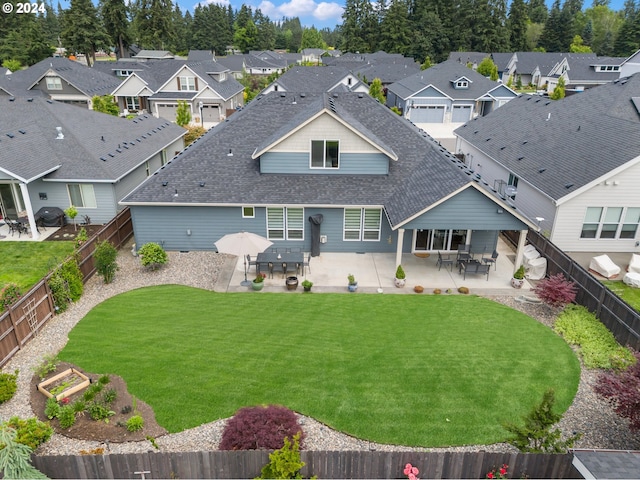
[556, 290]
[260, 428]
[622, 389]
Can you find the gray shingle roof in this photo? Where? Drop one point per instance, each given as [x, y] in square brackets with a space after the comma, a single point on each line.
[422, 175]
[573, 141]
[387, 72]
[199, 55]
[441, 76]
[311, 79]
[31, 154]
[501, 60]
[610, 464]
[234, 63]
[468, 57]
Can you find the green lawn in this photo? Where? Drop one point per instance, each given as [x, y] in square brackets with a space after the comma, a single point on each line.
[628, 294]
[25, 263]
[405, 369]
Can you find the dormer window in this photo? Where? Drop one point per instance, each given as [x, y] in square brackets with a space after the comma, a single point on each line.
[325, 154]
[462, 83]
[124, 73]
[54, 83]
[187, 83]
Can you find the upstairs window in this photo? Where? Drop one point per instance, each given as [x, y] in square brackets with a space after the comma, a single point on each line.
[54, 83]
[611, 222]
[325, 154]
[187, 83]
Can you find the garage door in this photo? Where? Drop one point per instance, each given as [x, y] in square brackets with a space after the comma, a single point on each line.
[427, 114]
[461, 113]
[210, 113]
[167, 112]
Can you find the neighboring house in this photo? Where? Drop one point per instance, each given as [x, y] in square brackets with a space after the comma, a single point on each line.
[156, 87]
[631, 65]
[317, 80]
[573, 164]
[200, 56]
[371, 180]
[60, 79]
[388, 67]
[56, 155]
[469, 59]
[441, 98]
[313, 55]
[145, 55]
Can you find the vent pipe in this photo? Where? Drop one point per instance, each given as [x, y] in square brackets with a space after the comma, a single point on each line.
[60, 135]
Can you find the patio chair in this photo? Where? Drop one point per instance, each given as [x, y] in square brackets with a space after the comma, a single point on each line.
[477, 268]
[306, 263]
[251, 262]
[13, 226]
[444, 260]
[493, 259]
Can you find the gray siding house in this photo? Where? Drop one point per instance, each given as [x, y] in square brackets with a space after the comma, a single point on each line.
[56, 155]
[373, 181]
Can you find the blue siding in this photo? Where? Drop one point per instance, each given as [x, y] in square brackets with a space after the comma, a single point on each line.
[484, 241]
[470, 210]
[350, 164]
[168, 226]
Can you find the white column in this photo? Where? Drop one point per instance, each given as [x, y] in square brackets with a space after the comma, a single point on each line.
[399, 246]
[519, 252]
[29, 208]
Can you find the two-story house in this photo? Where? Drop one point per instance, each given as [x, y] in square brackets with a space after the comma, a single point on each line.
[572, 164]
[443, 97]
[372, 180]
[316, 79]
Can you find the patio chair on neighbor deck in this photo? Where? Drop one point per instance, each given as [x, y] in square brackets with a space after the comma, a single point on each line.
[492, 259]
[444, 260]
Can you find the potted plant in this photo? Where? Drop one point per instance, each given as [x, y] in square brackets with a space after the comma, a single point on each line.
[401, 278]
[518, 277]
[306, 285]
[353, 285]
[258, 282]
[291, 283]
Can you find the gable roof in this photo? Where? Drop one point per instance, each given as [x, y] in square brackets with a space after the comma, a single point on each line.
[154, 54]
[468, 57]
[32, 150]
[312, 79]
[87, 80]
[199, 55]
[222, 160]
[387, 72]
[442, 76]
[561, 146]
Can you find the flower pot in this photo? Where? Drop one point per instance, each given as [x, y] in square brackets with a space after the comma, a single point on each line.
[257, 285]
[352, 287]
[400, 282]
[517, 282]
[292, 283]
[306, 289]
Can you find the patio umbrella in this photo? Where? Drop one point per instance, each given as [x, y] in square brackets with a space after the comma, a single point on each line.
[242, 244]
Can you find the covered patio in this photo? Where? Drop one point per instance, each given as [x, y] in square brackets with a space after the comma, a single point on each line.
[375, 271]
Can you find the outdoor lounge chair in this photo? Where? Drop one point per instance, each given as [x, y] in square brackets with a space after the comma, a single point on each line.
[604, 266]
[634, 263]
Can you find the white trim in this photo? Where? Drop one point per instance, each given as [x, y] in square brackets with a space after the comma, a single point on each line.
[253, 209]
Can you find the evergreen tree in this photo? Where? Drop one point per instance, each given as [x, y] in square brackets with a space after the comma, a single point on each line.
[181, 39]
[601, 27]
[376, 92]
[537, 11]
[82, 31]
[430, 37]
[183, 114]
[488, 69]
[245, 38]
[517, 25]
[395, 31]
[578, 46]
[587, 32]
[628, 40]
[153, 24]
[358, 21]
[311, 38]
[558, 92]
[266, 31]
[116, 23]
[553, 32]
[50, 25]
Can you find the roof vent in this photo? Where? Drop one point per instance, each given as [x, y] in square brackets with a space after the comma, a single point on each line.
[302, 95]
[29, 100]
[568, 185]
[22, 132]
[282, 95]
[542, 170]
[525, 142]
[102, 138]
[164, 184]
[103, 159]
[10, 135]
[202, 184]
[135, 121]
[60, 135]
[118, 150]
[520, 158]
[125, 146]
[230, 154]
[111, 154]
[335, 95]
[50, 102]
[502, 148]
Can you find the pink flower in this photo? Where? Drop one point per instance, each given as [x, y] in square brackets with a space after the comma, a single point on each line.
[410, 471]
[407, 469]
[490, 475]
[65, 400]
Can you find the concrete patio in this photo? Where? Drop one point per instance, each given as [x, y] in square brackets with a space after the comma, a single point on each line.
[6, 236]
[375, 273]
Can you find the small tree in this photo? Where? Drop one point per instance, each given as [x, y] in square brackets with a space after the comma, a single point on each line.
[15, 458]
[536, 435]
[183, 114]
[558, 92]
[193, 133]
[285, 462]
[152, 256]
[72, 213]
[105, 104]
[104, 257]
[622, 390]
[426, 64]
[375, 90]
[556, 291]
[519, 82]
[489, 69]
[12, 65]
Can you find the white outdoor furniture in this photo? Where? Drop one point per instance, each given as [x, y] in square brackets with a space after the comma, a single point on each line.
[604, 266]
[537, 268]
[529, 254]
[632, 279]
[634, 263]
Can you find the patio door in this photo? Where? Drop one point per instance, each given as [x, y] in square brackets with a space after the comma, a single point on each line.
[433, 240]
[8, 206]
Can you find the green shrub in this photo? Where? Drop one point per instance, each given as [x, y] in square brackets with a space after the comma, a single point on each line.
[152, 256]
[82, 236]
[52, 408]
[135, 423]
[110, 395]
[9, 294]
[70, 272]
[99, 412]
[597, 345]
[49, 364]
[104, 379]
[104, 257]
[30, 432]
[15, 458]
[79, 406]
[59, 292]
[67, 416]
[285, 462]
[8, 385]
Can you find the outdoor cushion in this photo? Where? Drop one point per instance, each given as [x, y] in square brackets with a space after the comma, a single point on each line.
[634, 263]
[604, 266]
[537, 269]
[632, 279]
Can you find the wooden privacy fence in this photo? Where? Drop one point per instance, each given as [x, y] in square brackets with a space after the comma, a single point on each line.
[24, 319]
[359, 464]
[619, 317]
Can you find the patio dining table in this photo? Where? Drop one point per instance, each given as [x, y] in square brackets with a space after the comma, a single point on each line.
[277, 259]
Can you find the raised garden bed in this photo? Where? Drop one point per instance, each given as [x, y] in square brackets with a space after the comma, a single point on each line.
[64, 384]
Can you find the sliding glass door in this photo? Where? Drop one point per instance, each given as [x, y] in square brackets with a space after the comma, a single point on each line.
[432, 240]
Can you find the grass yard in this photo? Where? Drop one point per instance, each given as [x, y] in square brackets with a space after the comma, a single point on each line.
[405, 369]
[25, 263]
[628, 294]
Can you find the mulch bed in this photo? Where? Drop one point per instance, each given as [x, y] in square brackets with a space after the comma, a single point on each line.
[87, 429]
[68, 232]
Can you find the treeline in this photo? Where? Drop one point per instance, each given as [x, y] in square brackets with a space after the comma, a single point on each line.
[417, 28]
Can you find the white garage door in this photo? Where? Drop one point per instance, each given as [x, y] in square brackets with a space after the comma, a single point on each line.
[427, 114]
[210, 113]
[167, 112]
[461, 113]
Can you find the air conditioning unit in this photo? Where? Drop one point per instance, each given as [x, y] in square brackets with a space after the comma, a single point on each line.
[323, 239]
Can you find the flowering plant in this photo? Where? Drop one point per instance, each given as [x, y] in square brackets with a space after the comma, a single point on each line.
[260, 278]
[498, 473]
[411, 472]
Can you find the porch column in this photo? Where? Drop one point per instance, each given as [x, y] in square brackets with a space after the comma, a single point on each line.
[399, 247]
[29, 208]
[519, 252]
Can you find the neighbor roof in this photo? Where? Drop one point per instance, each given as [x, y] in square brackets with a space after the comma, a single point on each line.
[219, 169]
[610, 464]
[89, 151]
[311, 79]
[560, 146]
